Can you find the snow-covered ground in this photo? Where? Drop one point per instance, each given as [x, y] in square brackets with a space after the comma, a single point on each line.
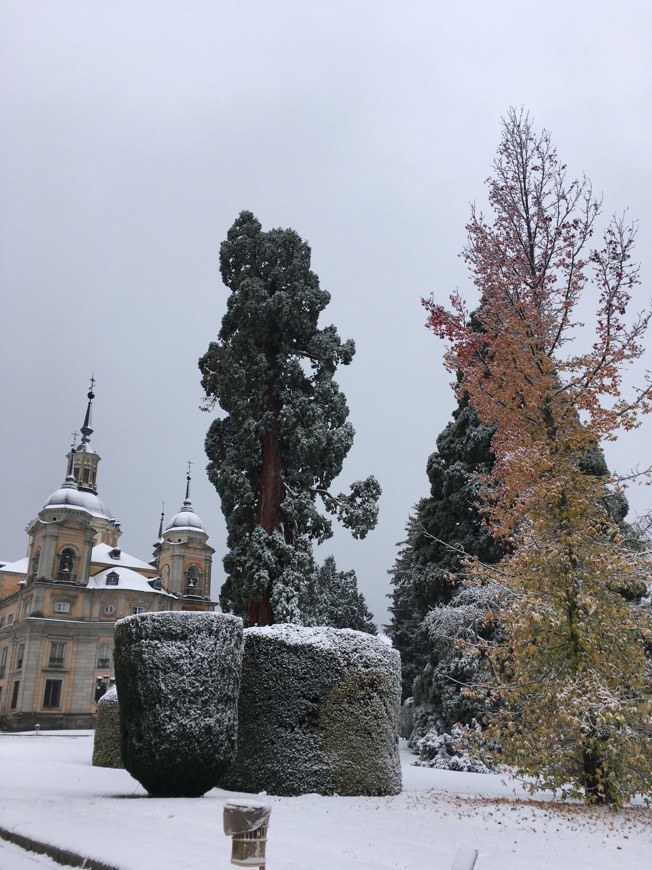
[50, 792]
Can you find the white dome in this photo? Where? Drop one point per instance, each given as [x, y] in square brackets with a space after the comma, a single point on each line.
[69, 496]
[185, 519]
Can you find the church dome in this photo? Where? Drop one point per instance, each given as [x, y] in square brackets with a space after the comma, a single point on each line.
[185, 519]
[68, 495]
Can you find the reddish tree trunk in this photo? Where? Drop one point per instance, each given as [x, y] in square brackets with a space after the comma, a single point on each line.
[268, 514]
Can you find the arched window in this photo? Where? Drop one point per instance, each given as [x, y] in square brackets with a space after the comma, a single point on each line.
[67, 559]
[193, 580]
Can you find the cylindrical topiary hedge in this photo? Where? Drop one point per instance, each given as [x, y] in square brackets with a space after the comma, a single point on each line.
[107, 751]
[318, 712]
[178, 676]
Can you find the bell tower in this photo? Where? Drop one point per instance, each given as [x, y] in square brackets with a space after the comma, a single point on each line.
[184, 557]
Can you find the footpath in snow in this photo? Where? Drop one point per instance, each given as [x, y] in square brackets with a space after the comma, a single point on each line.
[50, 792]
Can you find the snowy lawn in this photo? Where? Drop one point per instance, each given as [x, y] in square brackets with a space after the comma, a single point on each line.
[50, 792]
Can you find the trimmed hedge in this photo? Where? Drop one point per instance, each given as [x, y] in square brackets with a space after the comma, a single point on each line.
[178, 675]
[318, 712]
[107, 751]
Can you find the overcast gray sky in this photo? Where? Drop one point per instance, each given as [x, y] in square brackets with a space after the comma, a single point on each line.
[133, 132]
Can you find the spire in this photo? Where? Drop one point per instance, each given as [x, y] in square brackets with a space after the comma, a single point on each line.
[160, 525]
[157, 544]
[82, 458]
[186, 518]
[87, 429]
[186, 502]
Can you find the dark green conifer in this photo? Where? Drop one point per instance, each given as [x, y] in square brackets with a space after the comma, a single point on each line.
[445, 527]
[285, 434]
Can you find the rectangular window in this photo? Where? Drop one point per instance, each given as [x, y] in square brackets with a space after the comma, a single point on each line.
[104, 656]
[57, 654]
[3, 661]
[10, 618]
[14, 695]
[27, 607]
[137, 608]
[62, 607]
[20, 652]
[2, 621]
[52, 695]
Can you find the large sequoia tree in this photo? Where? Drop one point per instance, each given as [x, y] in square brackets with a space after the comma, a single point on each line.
[285, 434]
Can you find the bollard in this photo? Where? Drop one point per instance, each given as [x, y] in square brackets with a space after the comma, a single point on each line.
[246, 824]
[37, 728]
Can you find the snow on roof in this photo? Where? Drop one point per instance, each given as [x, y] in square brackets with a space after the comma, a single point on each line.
[127, 579]
[19, 567]
[185, 519]
[71, 497]
[101, 556]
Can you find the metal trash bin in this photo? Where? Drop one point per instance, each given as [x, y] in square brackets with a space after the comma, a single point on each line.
[247, 824]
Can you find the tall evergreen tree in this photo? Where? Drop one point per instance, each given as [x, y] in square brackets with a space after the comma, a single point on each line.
[445, 528]
[405, 617]
[285, 434]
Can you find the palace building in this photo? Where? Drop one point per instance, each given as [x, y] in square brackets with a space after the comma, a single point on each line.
[59, 604]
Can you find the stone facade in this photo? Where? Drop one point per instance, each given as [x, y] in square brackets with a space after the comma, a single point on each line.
[59, 604]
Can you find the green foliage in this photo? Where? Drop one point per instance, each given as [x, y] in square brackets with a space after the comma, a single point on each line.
[285, 433]
[334, 600]
[178, 678]
[317, 713]
[446, 526]
[351, 736]
[405, 623]
[449, 523]
[107, 751]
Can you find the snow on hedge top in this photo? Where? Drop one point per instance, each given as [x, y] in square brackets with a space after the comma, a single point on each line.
[110, 695]
[356, 644]
[176, 624]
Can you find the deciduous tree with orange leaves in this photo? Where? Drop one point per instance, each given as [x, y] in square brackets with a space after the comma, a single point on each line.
[572, 682]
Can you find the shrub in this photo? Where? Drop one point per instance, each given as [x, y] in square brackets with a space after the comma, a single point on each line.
[455, 750]
[318, 712]
[106, 741]
[178, 676]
